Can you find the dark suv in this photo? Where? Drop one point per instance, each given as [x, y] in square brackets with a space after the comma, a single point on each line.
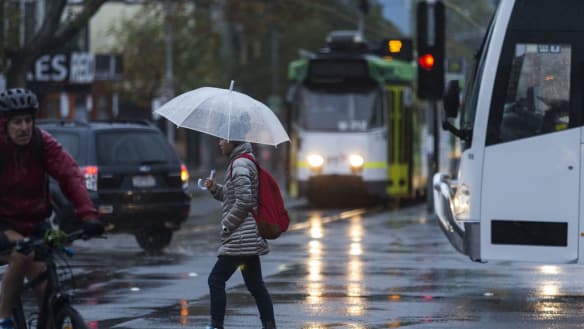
[135, 178]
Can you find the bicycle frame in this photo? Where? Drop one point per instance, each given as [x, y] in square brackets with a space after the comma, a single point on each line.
[55, 300]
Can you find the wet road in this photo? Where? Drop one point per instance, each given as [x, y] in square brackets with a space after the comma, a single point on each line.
[335, 269]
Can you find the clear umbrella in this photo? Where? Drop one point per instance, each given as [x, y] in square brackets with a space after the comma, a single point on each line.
[226, 114]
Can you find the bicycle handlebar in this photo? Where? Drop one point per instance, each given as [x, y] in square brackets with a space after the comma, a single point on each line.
[53, 238]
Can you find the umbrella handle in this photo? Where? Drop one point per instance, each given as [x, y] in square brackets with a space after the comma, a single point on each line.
[201, 182]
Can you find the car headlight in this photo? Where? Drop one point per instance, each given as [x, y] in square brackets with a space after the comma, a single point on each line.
[461, 203]
[315, 161]
[356, 162]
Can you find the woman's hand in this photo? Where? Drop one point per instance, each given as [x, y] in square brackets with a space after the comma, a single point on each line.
[210, 184]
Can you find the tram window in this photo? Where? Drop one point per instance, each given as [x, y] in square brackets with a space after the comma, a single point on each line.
[337, 109]
[536, 93]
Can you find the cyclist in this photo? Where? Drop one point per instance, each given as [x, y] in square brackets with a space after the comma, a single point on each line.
[27, 155]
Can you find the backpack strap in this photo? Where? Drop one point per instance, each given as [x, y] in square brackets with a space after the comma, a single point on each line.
[244, 155]
[39, 147]
[252, 159]
[40, 153]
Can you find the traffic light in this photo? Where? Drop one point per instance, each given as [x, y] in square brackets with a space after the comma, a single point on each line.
[397, 49]
[430, 47]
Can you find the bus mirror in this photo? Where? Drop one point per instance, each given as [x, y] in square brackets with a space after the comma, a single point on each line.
[451, 99]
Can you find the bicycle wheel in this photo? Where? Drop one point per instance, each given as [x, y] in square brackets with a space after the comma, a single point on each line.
[18, 315]
[68, 318]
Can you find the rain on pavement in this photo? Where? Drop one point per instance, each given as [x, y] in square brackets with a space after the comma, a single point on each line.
[373, 268]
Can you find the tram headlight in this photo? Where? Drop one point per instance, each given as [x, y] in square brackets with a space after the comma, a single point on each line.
[356, 161]
[461, 203]
[315, 161]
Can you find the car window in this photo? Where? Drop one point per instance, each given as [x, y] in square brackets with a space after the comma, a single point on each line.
[133, 147]
[70, 141]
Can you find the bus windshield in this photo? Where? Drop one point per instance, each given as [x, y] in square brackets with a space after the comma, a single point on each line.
[339, 109]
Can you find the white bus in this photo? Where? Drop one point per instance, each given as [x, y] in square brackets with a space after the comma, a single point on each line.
[517, 195]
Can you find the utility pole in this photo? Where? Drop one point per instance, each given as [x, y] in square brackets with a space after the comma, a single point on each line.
[363, 10]
[168, 89]
[275, 59]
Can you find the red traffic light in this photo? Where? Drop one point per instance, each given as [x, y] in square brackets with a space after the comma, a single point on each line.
[426, 61]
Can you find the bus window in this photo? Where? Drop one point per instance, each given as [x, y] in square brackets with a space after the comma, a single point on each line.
[537, 93]
[469, 106]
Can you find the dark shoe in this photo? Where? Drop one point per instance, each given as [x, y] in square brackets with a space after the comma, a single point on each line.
[6, 323]
[268, 325]
[209, 326]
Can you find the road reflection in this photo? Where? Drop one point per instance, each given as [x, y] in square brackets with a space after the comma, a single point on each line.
[547, 289]
[355, 286]
[316, 261]
[314, 264]
[184, 312]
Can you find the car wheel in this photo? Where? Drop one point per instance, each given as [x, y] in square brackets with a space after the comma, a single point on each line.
[153, 240]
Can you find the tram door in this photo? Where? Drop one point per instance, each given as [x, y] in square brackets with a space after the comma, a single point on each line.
[399, 141]
[531, 169]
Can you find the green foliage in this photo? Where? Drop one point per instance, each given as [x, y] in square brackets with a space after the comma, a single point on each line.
[299, 24]
[141, 40]
[466, 25]
[235, 45]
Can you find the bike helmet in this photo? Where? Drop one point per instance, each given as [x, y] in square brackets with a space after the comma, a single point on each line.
[18, 101]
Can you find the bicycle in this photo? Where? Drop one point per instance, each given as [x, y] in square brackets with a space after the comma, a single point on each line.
[56, 310]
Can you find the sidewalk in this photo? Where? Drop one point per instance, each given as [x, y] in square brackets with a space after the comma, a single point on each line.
[202, 201]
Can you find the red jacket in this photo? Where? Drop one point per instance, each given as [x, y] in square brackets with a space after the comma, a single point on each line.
[23, 200]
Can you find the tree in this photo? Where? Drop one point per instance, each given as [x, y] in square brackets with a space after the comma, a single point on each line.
[299, 25]
[466, 26]
[54, 31]
[141, 41]
[218, 41]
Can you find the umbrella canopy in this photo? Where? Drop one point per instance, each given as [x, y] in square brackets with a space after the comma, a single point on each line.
[226, 114]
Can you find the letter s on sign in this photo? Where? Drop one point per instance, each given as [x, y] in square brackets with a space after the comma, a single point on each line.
[60, 69]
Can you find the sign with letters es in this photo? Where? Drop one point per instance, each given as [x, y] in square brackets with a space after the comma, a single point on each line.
[75, 67]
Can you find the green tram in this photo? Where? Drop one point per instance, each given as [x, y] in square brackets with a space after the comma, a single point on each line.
[356, 128]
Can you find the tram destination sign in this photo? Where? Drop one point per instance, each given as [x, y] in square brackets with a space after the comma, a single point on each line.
[326, 70]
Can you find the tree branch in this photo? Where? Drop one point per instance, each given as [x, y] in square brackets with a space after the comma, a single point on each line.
[51, 22]
[68, 31]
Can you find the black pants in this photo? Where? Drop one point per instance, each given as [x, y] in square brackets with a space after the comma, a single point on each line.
[251, 271]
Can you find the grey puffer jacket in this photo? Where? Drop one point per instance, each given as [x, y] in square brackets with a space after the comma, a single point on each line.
[238, 194]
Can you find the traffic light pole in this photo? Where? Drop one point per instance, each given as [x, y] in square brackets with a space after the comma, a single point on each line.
[433, 155]
[430, 43]
[433, 149]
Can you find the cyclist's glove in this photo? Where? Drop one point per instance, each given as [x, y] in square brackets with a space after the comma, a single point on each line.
[93, 227]
[5, 244]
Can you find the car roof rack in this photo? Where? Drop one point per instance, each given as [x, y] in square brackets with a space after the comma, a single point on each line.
[134, 121]
[61, 122]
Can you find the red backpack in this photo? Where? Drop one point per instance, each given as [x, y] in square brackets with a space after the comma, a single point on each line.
[271, 217]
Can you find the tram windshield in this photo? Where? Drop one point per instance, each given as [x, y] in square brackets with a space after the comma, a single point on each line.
[339, 109]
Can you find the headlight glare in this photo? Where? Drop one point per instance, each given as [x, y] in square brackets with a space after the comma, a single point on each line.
[461, 203]
[315, 161]
[356, 161]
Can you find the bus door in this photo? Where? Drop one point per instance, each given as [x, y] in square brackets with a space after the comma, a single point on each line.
[530, 197]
